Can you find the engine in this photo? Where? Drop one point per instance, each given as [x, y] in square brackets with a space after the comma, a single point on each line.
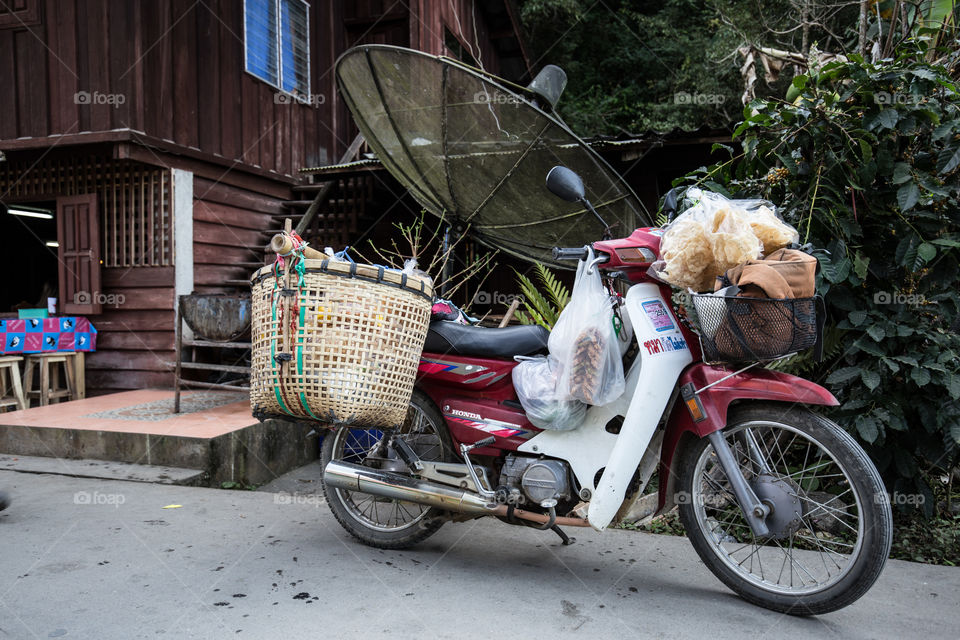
[538, 479]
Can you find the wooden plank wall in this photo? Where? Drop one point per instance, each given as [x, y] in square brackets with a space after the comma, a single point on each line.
[173, 69]
[228, 234]
[429, 19]
[135, 339]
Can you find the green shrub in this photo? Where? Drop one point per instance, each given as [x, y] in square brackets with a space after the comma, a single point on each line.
[866, 163]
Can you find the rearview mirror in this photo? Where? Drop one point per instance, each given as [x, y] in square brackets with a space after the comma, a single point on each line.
[564, 183]
[670, 204]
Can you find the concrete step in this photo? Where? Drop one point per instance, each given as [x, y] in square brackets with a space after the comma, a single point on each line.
[215, 434]
[103, 469]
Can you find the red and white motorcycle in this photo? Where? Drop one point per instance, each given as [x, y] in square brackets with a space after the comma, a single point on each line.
[780, 503]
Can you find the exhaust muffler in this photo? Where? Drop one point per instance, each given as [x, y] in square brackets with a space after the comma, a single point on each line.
[355, 477]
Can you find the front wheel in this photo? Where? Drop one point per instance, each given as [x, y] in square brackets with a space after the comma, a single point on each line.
[387, 523]
[831, 523]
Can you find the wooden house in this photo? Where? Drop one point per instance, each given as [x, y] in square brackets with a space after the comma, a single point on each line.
[160, 142]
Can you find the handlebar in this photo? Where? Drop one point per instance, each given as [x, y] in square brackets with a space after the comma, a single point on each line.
[573, 253]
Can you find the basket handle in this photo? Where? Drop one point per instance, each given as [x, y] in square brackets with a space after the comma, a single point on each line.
[282, 245]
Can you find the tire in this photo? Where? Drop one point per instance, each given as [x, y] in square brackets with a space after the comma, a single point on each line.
[841, 525]
[387, 523]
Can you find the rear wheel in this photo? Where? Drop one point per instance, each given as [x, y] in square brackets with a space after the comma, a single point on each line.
[388, 523]
[831, 524]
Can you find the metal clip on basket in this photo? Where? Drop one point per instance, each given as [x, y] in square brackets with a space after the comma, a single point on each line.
[744, 329]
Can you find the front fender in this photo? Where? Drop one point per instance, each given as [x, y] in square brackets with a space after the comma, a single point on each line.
[753, 384]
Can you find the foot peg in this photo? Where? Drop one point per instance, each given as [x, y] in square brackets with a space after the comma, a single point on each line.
[408, 455]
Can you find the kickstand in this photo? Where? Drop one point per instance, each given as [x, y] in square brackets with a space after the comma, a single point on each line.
[567, 540]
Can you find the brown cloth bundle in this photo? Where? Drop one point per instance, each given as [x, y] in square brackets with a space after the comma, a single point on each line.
[786, 273]
[764, 328]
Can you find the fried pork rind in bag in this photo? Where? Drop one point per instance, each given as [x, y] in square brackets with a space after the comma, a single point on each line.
[537, 382]
[715, 234]
[731, 239]
[585, 342]
[774, 233]
[686, 254]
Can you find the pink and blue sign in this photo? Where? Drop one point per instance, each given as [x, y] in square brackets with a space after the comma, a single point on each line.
[37, 335]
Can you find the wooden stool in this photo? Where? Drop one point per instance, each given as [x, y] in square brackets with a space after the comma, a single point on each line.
[50, 388]
[10, 377]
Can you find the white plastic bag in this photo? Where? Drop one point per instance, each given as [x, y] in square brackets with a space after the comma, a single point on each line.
[536, 381]
[585, 343]
[410, 268]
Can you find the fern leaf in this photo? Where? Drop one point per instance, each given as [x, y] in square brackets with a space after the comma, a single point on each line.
[557, 293]
[535, 303]
[539, 319]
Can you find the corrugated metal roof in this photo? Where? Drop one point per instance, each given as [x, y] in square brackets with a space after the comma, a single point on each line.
[626, 139]
[340, 167]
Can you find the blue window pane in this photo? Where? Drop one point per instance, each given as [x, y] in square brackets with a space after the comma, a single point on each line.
[294, 48]
[278, 43]
[261, 39]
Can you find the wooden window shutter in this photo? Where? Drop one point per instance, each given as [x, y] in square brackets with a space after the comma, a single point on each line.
[78, 232]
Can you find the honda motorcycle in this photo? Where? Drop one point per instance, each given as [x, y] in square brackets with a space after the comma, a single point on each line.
[781, 504]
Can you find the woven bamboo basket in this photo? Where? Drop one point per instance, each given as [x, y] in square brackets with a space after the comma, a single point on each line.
[336, 342]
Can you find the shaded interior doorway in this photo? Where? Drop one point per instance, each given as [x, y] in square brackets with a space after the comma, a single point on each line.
[28, 246]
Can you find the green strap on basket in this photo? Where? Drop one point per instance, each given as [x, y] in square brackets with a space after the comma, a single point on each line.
[296, 263]
[273, 348]
[300, 270]
[300, 323]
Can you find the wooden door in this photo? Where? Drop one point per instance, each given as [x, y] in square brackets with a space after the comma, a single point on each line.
[78, 232]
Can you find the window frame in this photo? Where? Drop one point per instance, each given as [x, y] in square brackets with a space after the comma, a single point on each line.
[29, 15]
[301, 98]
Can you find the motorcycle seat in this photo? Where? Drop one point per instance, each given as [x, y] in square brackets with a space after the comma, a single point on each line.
[468, 340]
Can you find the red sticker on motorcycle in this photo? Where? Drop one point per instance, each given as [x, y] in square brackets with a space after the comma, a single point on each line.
[664, 345]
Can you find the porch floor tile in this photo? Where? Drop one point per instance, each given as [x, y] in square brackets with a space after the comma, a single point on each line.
[204, 414]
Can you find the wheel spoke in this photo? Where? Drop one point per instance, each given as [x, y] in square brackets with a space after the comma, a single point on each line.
[813, 468]
[362, 447]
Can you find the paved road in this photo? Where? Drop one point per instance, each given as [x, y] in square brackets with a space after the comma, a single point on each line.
[103, 559]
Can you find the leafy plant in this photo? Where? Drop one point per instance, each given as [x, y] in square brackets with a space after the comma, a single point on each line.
[805, 363]
[542, 308]
[237, 486]
[866, 163]
[934, 541]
